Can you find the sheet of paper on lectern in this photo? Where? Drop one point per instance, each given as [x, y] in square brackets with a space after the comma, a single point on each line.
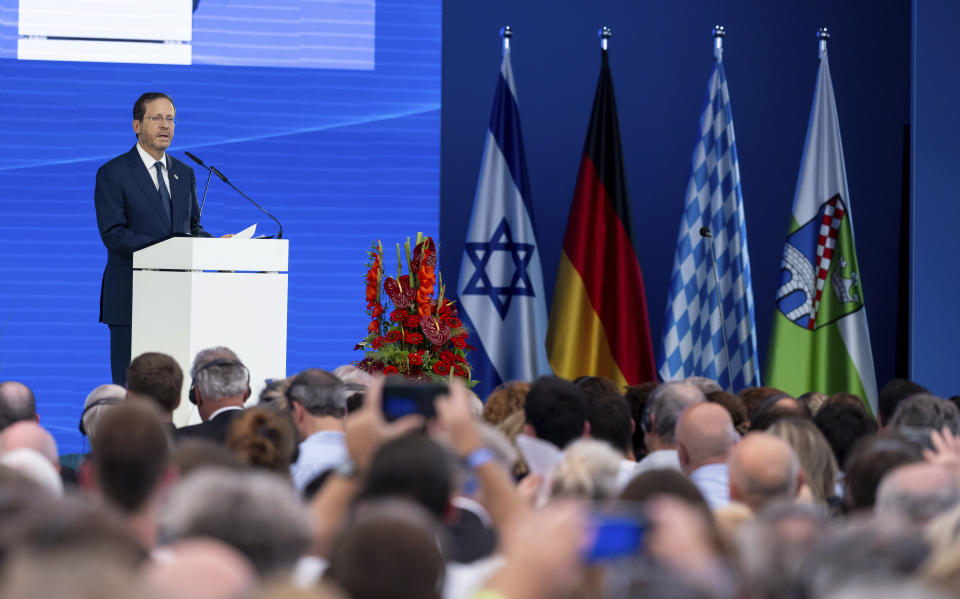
[247, 233]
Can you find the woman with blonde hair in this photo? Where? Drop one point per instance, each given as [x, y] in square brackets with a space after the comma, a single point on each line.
[816, 458]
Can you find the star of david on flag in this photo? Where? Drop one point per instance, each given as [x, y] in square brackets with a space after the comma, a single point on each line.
[500, 289]
[520, 255]
[693, 340]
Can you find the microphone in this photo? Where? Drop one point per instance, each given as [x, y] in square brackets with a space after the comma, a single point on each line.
[212, 170]
[706, 234]
[223, 178]
[206, 187]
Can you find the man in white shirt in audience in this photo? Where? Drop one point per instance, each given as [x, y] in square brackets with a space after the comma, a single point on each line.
[664, 406]
[705, 434]
[318, 405]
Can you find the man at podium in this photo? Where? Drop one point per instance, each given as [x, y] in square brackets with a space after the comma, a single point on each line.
[141, 196]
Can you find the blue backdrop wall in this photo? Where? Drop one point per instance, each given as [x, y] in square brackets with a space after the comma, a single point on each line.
[661, 55]
[935, 271]
[342, 156]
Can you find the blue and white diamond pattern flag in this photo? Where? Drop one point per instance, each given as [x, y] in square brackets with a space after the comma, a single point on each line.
[693, 340]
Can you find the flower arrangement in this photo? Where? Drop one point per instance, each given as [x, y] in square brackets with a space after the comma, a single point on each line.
[420, 338]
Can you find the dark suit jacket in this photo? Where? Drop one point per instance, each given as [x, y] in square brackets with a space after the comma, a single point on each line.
[130, 215]
[214, 430]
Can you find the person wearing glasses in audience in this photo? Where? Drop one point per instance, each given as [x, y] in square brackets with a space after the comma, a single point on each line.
[141, 196]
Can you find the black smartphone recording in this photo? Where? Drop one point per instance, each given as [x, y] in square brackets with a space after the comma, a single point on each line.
[402, 398]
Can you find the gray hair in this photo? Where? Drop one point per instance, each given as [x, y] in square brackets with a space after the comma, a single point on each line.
[897, 590]
[771, 547]
[916, 502]
[36, 467]
[589, 470]
[348, 373]
[320, 392]
[113, 394]
[704, 384]
[218, 382]
[665, 404]
[923, 410]
[861, 552]
[257, 513]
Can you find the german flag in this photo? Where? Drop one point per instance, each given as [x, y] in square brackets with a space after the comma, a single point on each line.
[598, 321]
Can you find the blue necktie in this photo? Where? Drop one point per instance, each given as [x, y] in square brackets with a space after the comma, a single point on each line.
[164, 194]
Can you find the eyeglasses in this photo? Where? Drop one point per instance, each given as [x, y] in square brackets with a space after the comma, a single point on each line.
[170, 120]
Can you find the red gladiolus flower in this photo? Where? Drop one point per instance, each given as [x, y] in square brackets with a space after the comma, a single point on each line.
[374, 326]
[459, 342]
[387, 370]
[377, 311]
[441, 368]
[393, 336]
[453, 322]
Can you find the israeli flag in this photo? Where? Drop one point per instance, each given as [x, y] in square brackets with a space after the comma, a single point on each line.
[693, 340]
[501, 281]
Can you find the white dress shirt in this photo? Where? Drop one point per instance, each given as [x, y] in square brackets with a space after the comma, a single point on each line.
[663, 459]
[149, 161]
[713, 480]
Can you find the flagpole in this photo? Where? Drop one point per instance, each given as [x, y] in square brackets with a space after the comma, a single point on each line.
[505, 34]
[604, 34]
[823, 34]
[719, 31]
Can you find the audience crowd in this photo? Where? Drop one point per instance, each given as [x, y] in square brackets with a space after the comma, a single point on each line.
[548, 489]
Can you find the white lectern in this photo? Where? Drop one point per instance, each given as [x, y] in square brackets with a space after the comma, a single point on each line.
[193, 293]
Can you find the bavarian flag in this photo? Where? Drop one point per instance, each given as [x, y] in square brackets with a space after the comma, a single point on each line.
[598, 320]
[820, 340]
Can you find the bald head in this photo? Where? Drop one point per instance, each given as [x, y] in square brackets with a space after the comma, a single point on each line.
[763, 469]
[916, 493]
[202, 569]
[30, 435]
[16, 403]
[705, 434]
